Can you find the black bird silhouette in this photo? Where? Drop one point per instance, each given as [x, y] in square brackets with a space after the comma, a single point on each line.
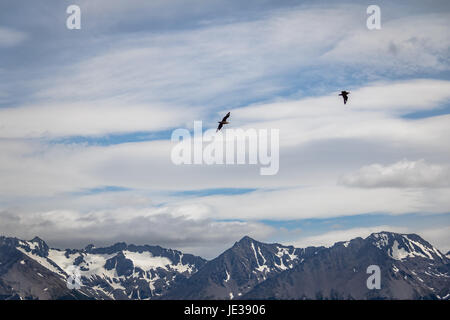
[344, 95]
[224, 121]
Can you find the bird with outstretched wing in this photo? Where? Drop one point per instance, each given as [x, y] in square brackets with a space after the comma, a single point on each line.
[224, 121]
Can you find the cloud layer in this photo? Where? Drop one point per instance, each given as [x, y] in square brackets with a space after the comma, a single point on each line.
[69, 229]
[402, 174]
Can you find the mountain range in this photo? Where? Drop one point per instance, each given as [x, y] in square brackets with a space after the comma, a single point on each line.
[410, 268]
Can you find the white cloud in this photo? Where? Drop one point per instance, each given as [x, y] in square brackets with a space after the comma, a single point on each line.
[323, 202]
[438, 237]
[218, 63]
[10, 37]
[408, 44]
[313, 132]
[64, 228]
[390, 98]
[300, 121]
[372, 114]
[95, 118]
[402, 174]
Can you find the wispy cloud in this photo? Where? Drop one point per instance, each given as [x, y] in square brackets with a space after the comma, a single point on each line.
[254, 60]
[407, 45]
[402, 174]
[10, 37]
[63, 228]
[95, 118]
[325, 201]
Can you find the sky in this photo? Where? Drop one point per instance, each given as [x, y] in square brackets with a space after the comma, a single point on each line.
[86, 118]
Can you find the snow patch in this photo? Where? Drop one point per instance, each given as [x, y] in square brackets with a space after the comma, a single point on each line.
[263, 267]
[31, 245]
[421, 247]
[383, 240]
[43, 261]
[227, 276]
[398, 253]
[182, 268]
[290, 257]
[146, 261]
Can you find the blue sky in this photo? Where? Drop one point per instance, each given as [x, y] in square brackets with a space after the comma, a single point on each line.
[86, 118]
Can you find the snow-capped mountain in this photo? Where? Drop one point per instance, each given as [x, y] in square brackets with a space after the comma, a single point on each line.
[22, 277]
[120, 271]
[401, 247]
[410, 267]
[239, 269]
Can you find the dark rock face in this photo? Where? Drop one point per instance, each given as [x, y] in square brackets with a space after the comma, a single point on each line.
[123, 266]
[239, 269]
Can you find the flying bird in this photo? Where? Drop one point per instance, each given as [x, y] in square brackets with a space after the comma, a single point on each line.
[224, 121]
[344, 95]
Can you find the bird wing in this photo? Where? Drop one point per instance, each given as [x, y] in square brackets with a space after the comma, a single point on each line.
[226, 117]
[220, 126]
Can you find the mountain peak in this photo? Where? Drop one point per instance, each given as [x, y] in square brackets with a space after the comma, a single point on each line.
[388, 235]
[401, 246]
[89, 247]
[244, 242]
[246, 239]
[385, 233]
[37, 239]
[35, 245]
